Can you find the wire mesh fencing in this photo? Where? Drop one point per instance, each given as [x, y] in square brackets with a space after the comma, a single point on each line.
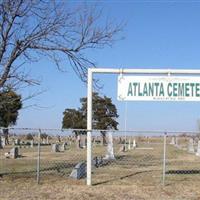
[118, 157]
[127, 158]
[182, 158]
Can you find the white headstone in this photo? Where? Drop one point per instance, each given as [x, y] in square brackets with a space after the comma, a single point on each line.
[62, 147]
[43, 141]
[110, 152]
[55, 147]
[3, 142]
[47, 140]
[173, 141]
[191, 146]
[14, 152]
[176, 142]
[129, 144]
[198, 149]
[134, 144]
[17, 141]
[32, 143]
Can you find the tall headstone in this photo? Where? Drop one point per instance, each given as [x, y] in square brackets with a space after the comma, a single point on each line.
[129, 144]
[3, 142]
[191, 146]
[78, 142]
[198, 149]
[14, 152]
[32, 143]
[47, 140]
[134, 144]
[176, 142]
[172, 141]
[43, 141]
[110, 152]
[55, 148]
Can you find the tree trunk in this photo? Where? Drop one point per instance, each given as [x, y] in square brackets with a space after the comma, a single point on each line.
[6, 134]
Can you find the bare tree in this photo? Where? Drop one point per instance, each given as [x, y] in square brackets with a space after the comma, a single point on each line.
[30, 29]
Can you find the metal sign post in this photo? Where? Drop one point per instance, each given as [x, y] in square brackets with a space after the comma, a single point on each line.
[92, 71]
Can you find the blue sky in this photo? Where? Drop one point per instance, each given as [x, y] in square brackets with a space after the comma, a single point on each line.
[158, 34]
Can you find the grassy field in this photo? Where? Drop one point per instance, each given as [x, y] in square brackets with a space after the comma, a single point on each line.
[135, 174]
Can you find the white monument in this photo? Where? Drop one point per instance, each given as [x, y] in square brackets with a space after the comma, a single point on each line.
[176, 142]
[110, 152]
[198, 149]
[55, 147]
[134, 144]
[32, 143]
[191, 146]
[129, 144]
[3, 142]
[173, 141]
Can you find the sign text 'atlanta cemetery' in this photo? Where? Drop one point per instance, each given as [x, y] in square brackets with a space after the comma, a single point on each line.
[159, 88]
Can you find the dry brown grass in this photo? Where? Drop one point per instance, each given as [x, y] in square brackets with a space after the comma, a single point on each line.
[136, 174]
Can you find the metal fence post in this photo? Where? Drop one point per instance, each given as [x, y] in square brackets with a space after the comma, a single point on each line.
[164, 158]
[38, 158]
[89, 129]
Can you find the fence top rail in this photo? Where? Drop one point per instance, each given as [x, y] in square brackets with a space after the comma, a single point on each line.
[101, 130]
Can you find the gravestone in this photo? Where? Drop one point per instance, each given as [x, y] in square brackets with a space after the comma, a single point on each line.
[176, 142]
[79, 171]
[110, 152]
[62, 147]
[97, 161]
[3, 142]
[43, 141]
[32, 143]
[1, 146]
[134, 144]
[17, 141]
[198, 149]
[47, 140]
[129, 144]
[191, 146]
[122, 148]
[173, 141]
[14, 153]
[78, 142]
[55, 147]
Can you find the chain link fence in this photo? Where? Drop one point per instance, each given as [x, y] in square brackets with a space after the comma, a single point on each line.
[118, 157]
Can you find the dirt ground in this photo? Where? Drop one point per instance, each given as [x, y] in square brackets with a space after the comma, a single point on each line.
[57, 189]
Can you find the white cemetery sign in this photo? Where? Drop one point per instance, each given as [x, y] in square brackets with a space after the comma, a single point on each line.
[158, 88]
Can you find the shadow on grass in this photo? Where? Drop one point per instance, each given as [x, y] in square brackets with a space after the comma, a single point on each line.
[123, 177]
